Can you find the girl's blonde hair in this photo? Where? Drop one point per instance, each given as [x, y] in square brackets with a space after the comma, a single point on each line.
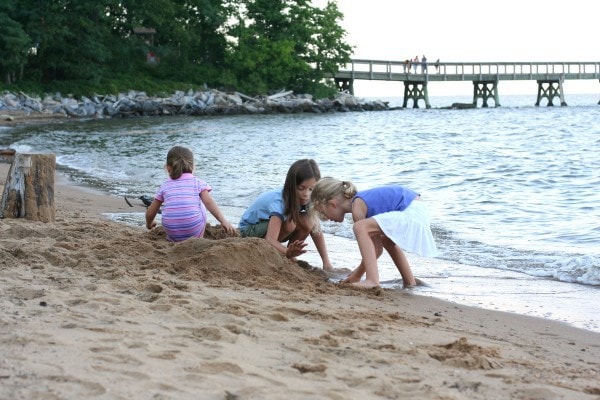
[328, 188]
[181, 160]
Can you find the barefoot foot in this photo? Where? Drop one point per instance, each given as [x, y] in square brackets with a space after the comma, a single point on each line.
[417, 282]
[366, 284]
[352, 278]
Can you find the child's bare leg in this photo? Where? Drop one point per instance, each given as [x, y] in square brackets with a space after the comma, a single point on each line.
[401, 263]
[289, 228]
[367, 234]
[367, 283]
[299, 234]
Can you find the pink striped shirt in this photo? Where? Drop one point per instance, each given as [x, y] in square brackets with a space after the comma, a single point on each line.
[183, 213]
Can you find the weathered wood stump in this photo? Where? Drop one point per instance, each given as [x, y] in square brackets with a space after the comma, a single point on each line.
[29, 189]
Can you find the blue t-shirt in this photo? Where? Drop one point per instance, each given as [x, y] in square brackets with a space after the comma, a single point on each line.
[263, 208]
[386, 198]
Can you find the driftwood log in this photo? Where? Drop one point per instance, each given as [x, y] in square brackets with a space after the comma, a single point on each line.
[29, 188]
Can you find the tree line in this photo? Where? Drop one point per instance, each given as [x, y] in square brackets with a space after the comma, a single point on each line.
[248, 45]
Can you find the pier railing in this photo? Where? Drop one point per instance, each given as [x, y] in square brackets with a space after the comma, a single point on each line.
[468, 71]
[484, 75]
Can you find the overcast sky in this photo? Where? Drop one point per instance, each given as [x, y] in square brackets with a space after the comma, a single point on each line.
[473, 30]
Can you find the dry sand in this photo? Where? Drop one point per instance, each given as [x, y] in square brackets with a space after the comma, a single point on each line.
[96, 309]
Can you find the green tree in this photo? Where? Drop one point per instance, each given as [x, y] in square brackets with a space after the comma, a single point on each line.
[72, 38]
[15, 45]
[189, 38]
[328, 49]
[206, 19]
[286, 43]
[250, 45]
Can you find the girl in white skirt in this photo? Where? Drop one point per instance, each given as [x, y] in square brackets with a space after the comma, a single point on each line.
[388, 217]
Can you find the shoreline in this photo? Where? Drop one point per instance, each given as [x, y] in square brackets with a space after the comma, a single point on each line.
[191, 103]
[96, 308]
[10, 118]
[485, 288]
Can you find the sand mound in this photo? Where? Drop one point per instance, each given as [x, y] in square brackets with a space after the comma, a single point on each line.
[113, 251]
[249, 261]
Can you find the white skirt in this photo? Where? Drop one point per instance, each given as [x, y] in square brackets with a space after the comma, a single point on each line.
[409, 229]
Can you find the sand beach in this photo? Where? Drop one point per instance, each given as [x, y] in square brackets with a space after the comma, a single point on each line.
[95, 309]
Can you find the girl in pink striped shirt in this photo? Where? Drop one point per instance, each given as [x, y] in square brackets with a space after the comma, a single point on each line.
[185, 199]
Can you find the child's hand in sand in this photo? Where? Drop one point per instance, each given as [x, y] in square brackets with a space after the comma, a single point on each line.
[151, 225]
[295, 248]
[228, 228]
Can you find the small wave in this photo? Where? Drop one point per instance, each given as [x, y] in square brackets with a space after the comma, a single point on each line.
[22, 148]
[563, 266]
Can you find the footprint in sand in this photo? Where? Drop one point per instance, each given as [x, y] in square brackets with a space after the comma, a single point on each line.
[65, 386]
[465, 355]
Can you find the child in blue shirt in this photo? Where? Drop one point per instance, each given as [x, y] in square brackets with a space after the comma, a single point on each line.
[281, 215]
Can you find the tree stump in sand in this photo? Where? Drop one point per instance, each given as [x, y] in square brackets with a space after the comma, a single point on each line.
[29, 188]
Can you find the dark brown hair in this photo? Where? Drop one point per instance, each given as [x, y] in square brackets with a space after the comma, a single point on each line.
[299, 171]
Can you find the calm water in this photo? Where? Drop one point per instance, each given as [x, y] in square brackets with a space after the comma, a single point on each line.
[512, 190]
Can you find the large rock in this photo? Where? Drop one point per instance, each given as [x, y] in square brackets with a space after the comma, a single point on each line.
[207, 102]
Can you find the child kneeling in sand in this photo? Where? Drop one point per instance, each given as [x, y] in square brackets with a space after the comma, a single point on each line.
[185, 199]
[281, 215]
[391, 217]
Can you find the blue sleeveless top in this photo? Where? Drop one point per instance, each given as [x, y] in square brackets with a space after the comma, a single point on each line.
[386, 198]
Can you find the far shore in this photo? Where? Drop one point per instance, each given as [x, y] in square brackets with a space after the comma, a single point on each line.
[20, 108]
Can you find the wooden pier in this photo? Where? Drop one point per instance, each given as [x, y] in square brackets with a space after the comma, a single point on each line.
[484, 75]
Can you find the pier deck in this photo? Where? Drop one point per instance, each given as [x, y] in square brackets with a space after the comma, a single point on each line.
[484, 75]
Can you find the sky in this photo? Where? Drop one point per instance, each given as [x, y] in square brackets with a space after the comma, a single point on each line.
[471, 31]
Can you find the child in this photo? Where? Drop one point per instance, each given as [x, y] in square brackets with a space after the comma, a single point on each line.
[185, 199]
[387, 217]
[281, 215]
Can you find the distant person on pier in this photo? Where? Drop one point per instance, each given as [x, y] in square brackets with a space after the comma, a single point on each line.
[423, 64]
[437, 65]
[415, 63]
[407, 66]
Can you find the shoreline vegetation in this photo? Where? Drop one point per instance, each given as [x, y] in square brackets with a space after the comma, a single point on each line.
[95, 308]
[20, 107]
